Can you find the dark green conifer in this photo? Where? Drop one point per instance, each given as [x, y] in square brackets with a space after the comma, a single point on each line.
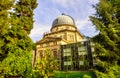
[18, 45]
[107, 42]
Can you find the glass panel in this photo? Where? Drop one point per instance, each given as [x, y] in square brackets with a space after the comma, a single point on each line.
[67, 50]
[81, 62]
[66, 54]
[82, 53]
[81, 49]
[67, 63]
[92, 49]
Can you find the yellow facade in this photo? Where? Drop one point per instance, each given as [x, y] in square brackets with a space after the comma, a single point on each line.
[63, 31]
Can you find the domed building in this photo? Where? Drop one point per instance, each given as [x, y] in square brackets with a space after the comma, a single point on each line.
[66, 44]
[63, 31]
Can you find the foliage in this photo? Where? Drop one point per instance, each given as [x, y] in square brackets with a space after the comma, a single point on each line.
[113, 72]
[47, 64]
[4, 24]
[36, 73]
[107, 42]
[86, 76]
[15, 44]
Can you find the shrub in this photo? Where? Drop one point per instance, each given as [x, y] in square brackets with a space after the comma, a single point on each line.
[86, 76]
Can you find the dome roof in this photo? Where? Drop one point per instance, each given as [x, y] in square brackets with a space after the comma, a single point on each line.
[63, 19]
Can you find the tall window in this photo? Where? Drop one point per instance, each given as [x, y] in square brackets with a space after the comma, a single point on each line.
[55, 53]
[41, 53]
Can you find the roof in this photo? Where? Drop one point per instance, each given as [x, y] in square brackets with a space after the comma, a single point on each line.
[48, 39]
[63, 19]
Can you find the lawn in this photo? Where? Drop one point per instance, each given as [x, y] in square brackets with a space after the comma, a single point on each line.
[73, 74]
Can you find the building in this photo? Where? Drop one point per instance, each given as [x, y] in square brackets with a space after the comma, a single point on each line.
[63, 32]
[76, 56]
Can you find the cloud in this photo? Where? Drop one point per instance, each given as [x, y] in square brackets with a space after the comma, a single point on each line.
[74, 3]
[48, 10]
[86, 28]
[38, 31]
[81, 23]
[44, 14]
[65, 3]
[80, 9]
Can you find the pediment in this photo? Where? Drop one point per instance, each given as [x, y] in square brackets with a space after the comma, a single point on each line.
[48, 39]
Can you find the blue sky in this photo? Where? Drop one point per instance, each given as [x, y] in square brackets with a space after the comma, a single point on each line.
[48, 10]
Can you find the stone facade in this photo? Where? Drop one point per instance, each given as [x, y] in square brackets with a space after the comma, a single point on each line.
[63, 31]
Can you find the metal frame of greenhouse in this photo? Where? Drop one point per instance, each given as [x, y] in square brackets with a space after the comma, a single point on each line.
[76, 56]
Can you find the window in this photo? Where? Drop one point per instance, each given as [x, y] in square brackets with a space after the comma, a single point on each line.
[41, 53]
[56, 21]
[82, 53]
[82, 50]
[55, 43]
[67, 52]
[67, 63]
[55, 54]
[81, 62]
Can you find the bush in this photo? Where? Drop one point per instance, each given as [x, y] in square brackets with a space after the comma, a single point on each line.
[86, 76]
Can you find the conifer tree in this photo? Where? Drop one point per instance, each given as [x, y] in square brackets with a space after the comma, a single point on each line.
[19, 46]
[4, 26]
[107, 42]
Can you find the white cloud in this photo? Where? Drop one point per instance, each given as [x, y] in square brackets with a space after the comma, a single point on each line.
[61, 2]
[93, 1]
[78, 8]
[74, 3]
[67, 3]
[81, 23]
[47, 11]
[86, 28]
[38, 31]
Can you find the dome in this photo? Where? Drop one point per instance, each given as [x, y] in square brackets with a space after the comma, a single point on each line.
[63, 19]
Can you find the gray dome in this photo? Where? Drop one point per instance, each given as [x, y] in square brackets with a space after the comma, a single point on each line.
[63, 19]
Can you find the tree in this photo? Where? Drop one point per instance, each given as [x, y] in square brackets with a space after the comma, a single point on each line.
[107, 42]
[19, 46]
[47, 64]
[4, 26]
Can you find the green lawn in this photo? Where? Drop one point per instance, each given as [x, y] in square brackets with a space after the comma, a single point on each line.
[73, 74]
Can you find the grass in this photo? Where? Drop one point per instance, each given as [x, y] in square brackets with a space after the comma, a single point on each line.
[73, 74]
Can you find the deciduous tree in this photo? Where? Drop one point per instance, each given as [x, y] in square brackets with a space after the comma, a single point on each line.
[47, 64]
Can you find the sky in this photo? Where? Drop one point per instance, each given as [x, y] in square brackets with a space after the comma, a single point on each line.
[48, 10]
